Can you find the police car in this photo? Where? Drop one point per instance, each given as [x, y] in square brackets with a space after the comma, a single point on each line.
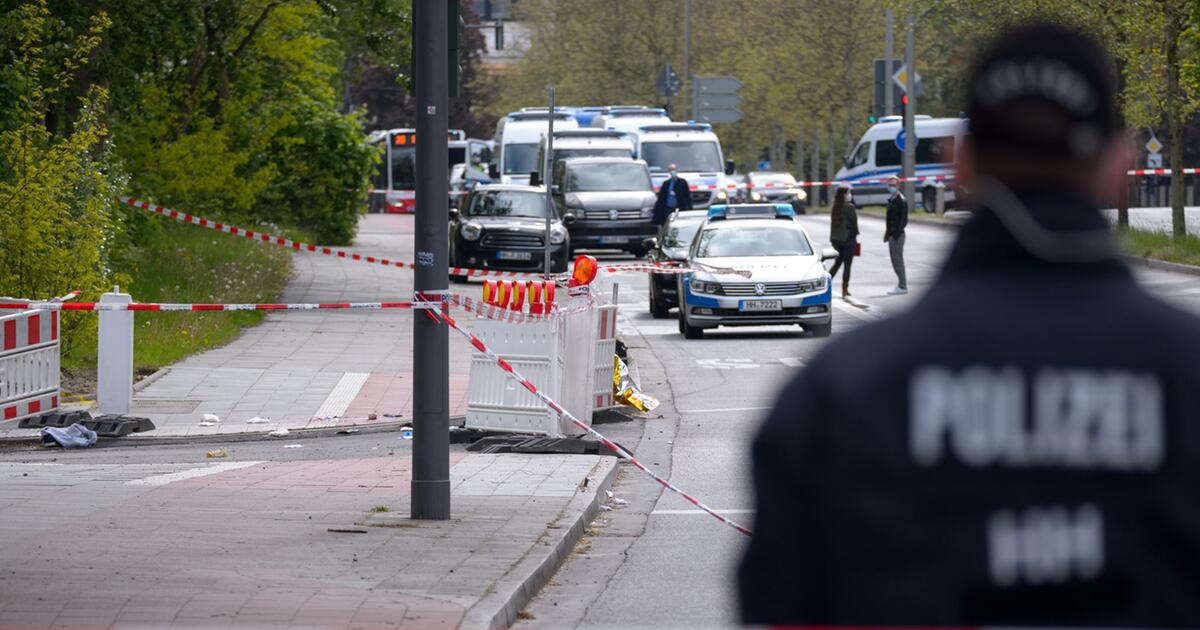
[787, 281]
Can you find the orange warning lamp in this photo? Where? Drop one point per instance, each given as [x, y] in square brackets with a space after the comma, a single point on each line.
[489, 292]
[584, 272]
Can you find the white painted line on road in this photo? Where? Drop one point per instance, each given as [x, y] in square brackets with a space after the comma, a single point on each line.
[698, 512]
[726, 364]
[342, 395]
[727, 409]
[645, 331]
[190, 473]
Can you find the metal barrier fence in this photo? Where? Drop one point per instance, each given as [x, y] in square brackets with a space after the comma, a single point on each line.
[29, 364]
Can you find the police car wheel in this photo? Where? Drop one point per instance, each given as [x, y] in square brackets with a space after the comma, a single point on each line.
[689, 331]
[821, 331]
[657, 309]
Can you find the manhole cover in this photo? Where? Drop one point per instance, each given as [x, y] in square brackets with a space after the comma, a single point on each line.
[163, 405]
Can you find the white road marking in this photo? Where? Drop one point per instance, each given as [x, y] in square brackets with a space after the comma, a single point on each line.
[342, 395]
[854, 311]
[727, 364]
[792, 361]
[725, 410]
[699, 512]
[190, 473]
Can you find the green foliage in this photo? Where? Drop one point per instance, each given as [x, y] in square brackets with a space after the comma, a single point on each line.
[55, 188]
[1161, 246]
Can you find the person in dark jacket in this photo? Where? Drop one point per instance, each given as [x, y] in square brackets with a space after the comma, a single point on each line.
[893, 235]
[843, 235]
[673, 195]
[1021, 447]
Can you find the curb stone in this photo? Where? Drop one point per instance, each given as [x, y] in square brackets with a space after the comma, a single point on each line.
[499, 607]
[1161, 265]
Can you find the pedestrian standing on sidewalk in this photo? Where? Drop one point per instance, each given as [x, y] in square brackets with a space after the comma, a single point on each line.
[673, 195]
[843, 235]
[1021, 447]
[893, 235]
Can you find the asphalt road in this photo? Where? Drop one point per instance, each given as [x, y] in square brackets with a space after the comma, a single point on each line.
[657, 561]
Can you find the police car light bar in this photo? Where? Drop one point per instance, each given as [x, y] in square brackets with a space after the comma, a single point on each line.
[751, 211]
[678, 127]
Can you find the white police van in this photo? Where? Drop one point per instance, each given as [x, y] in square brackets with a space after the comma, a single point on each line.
[517, 137]
[876, 156]
[629, 118]
[585, 142]
[694, 149]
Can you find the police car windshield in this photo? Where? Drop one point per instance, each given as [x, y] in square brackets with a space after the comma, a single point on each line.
[508, 204]
[607, 177]
[520, 158]
[752, 241]
[680, 233]
[690, 156]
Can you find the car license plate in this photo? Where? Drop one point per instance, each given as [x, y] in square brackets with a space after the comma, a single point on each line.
[761, 305]
[614, 239]
[514, 255]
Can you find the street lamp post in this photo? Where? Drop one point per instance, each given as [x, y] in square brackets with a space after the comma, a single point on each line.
[910, 137]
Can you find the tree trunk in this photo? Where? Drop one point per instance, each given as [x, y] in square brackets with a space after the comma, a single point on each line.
[814, 191]
[800, 155]
[1174, 124]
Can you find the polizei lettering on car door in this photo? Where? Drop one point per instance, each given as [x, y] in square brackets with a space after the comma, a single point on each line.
[1055, 418]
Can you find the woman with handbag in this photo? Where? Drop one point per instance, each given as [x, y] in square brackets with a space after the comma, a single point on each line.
[843, 234]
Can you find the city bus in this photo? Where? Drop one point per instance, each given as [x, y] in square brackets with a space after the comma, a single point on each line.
[394, 183]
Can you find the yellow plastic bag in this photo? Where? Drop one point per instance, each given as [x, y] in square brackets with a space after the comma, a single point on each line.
[626, 392]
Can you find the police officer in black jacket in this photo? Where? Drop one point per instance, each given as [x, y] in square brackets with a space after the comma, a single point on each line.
[1023, 446]
[674, 194]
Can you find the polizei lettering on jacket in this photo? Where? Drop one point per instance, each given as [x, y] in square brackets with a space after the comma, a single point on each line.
[1060, 418]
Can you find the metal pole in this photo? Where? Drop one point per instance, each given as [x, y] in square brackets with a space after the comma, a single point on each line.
[910, 137]
[430, 485]
[546, 175]
[687, 44]
[888, 51]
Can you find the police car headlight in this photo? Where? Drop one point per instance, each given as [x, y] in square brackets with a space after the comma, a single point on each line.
[813, 285]
[722, 195]
[800, 194]
[471, 230]
[558, 234]
[700, 286]
[756, 196]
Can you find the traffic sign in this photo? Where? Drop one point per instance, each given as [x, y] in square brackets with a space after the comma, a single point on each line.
[668, 82]
[1154, 146]
[900, 78]
[720, 101]
[716, 85]
[715, 99]
[1154, 160]
[718, 115]
[901, 139]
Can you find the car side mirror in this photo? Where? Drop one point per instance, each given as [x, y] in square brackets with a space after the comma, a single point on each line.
[453, 213]
[493, 171]
[535, 179]
[554, 188]
[568, 218]
[649, 243]
[829, 253]
[729, 167]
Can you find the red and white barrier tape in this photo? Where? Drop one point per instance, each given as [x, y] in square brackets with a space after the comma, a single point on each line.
[513, 374]
[162, 306]
[1161, 171]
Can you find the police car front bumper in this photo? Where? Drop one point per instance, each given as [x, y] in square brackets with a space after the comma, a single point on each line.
[706, 310]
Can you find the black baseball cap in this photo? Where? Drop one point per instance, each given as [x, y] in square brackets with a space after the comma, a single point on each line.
[1042, 90]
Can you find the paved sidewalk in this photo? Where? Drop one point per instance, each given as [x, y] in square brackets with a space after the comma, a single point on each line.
[249, 543]
[306, 369]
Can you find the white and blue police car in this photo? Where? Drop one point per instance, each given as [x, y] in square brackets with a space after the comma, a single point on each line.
[787, 282]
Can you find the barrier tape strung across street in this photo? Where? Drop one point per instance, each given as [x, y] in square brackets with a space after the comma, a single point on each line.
[513, 374]
[1161, 171]
[263, 237]
[163, 306]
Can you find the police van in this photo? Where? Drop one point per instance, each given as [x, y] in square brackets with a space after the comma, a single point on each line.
[696, 152]
[517, 137]
[629, 118]
[572, 143]
[877, 156]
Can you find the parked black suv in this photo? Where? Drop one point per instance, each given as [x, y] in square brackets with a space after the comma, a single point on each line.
[502, 226]
[605, 202]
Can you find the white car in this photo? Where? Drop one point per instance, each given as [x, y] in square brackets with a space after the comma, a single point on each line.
[786, 284]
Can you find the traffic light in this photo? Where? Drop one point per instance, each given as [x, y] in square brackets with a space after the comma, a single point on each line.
[499, 35]
[903, 104]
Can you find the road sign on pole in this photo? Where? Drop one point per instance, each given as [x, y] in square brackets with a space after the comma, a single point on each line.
[667, 82]
[902, 139]
[900, 78]
[716, 99]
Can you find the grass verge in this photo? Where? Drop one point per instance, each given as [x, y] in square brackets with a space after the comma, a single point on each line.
[183, 263]
[1161, 246]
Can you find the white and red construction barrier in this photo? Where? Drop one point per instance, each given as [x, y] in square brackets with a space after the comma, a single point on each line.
[511, 373]
[29, 364]
[163, 306]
